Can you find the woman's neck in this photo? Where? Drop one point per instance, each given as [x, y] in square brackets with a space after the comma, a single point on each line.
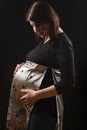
[60, 30]
[47, 38]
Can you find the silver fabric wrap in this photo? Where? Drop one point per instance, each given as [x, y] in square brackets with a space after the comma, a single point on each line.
[30, 74]
[59, 101]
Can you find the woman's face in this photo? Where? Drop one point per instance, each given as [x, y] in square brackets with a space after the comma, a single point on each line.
[42, 30]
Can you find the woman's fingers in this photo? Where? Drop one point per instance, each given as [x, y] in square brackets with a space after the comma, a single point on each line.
[17, 67]
[28, 97]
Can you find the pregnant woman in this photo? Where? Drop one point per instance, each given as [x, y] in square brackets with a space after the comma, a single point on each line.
[49, 71]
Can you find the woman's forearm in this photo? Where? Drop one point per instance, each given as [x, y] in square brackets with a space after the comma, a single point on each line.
[46, 92]
[29, 96]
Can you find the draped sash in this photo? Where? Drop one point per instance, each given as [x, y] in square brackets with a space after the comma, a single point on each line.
[30, 74]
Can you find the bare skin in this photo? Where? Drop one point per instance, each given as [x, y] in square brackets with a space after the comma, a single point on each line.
[31, 96]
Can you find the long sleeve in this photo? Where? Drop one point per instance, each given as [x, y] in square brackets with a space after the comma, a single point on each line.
[65, 56]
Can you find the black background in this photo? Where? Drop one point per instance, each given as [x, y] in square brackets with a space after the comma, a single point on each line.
[17, 39]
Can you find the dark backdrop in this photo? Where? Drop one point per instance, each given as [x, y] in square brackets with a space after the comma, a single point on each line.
[17, 39]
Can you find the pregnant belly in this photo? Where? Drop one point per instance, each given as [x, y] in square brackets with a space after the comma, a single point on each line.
[30, 75]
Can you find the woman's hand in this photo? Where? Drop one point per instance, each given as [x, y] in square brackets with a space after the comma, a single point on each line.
[17, 67]
[29, 97]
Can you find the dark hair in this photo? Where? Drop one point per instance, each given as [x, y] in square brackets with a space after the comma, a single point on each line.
[41, 12]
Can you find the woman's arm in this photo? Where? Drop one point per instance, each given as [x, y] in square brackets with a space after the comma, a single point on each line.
[29, 97]
[65, 56]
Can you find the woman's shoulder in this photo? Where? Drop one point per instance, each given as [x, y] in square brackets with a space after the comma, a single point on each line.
[62, 40]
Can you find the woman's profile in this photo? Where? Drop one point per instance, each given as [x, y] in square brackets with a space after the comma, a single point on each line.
[36, 101]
